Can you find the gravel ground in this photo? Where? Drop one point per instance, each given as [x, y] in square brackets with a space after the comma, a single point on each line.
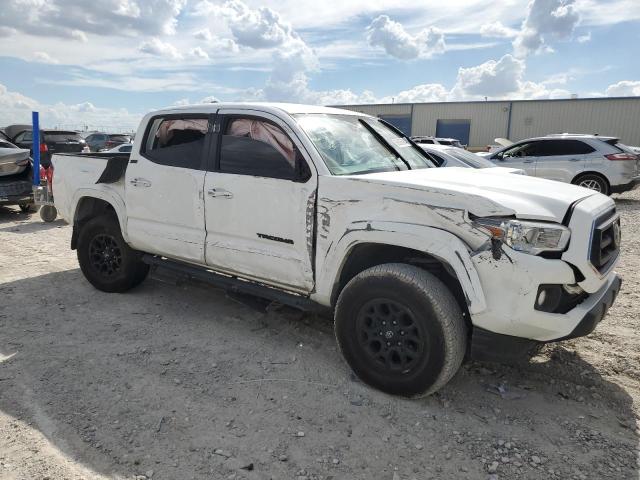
[181, 382]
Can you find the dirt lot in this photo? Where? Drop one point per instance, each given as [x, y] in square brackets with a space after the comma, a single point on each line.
[180, 382]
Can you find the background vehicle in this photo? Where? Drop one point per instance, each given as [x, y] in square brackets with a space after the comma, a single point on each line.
[13, 160]
[106, 141]
[124, 148]
[15, 176]
[500, 143]
[597, 162]
[446, 156]
[334, 210]
[437, 141]
[52, 141]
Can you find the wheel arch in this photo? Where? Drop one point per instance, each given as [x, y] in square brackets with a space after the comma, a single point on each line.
[91, 206]
[434, 250]
[575, 179]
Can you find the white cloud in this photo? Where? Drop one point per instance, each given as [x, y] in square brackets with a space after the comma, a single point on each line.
[546, 20]
[497, 30]
[256, 28]
[204, 34]
[77, 18]
[43, 57]
[492, 78]
[397, 42]
[17, 108]
[157, 47]
[430, 92]
[584, 38]
[199, 53]
[625, 88]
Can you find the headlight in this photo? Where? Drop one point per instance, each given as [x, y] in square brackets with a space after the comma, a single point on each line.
[525, 236]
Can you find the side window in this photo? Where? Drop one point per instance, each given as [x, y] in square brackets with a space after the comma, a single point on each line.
[521, 150]
[257, 147]
[574, 147]
[25, 137]
[439, 161]
[176, 141]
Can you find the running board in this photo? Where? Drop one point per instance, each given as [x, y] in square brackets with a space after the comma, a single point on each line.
[232, 284]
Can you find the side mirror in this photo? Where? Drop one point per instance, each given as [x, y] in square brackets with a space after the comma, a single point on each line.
[499, 156]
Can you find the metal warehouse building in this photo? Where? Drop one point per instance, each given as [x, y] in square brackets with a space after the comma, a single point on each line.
[477, 124]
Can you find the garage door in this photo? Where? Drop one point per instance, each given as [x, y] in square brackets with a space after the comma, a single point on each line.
[401, 122]
[458, 129]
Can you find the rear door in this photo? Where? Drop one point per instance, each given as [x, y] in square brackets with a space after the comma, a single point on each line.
[562, 160]
[260, 202]
[164, 187]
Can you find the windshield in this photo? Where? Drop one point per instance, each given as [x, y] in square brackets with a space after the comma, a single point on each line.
[469, 158]
[351, 145]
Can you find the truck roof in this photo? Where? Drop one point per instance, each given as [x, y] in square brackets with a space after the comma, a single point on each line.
[270, 107]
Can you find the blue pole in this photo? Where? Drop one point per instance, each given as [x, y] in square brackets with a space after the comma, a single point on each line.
[35, 119]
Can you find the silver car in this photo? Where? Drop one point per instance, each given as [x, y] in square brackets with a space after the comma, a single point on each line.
[592, 161]
[447, 156]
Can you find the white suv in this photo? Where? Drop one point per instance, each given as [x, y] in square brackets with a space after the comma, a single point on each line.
[599, 163]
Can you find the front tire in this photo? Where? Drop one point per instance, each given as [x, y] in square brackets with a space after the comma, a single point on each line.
[400, 329]
[105, 258]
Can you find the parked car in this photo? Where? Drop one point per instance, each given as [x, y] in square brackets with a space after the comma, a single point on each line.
[13, 160]
[597, 162]
[124, 148]
[105, 141]
[446, 156]
[15, 176]
[52, 141]
[333, 210]
[453, 142]
[500, 143]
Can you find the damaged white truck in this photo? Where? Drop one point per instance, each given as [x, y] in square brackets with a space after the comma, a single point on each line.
[311, 206]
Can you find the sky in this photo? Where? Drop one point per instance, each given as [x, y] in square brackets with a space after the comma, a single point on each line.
[103, 64]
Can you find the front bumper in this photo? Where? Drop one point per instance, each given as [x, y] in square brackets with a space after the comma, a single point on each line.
[489, 346]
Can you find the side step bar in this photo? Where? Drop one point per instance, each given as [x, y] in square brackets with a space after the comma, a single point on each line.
[232, 284]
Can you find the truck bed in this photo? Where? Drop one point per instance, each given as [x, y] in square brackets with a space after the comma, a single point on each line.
[74, 172]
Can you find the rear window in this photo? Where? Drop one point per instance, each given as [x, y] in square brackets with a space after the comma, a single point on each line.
[176, 141]
[120, 138]
[623, 148]
[63, 137]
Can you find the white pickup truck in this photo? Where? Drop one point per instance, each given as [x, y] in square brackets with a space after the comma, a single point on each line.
[313, 206]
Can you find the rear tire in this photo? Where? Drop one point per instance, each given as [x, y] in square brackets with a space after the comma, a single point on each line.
[105, 258]
[27, 207]
[593, 181]
[400, 329]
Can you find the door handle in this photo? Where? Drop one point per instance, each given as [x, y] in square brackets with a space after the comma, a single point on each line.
[219, 193]
[574, 159]
[140, 182]
[527, 161]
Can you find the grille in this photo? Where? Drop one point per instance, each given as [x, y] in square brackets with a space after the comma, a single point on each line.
[605, 245]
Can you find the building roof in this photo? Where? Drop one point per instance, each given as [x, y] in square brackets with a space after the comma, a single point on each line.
[636, 98]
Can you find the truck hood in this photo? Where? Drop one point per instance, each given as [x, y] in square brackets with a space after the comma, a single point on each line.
[489, 191]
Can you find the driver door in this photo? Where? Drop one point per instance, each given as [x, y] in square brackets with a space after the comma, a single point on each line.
[521, 155]
[260, 202]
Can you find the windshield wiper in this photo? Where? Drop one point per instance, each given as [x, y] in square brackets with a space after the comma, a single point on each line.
[384, 143]
[422, 151]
